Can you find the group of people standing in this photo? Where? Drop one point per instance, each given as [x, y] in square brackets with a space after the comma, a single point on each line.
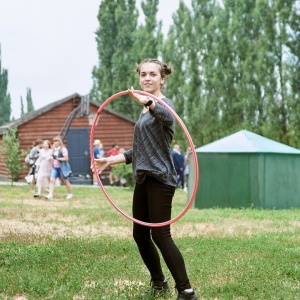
[48, 162]
[99, 153]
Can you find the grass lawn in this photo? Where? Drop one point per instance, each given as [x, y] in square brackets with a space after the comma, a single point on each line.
[83, 248]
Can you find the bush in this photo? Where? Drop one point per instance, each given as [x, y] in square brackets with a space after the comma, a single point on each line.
[11, 154]
[124, 172]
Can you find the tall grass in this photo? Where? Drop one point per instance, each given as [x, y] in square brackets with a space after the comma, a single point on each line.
[83, 249]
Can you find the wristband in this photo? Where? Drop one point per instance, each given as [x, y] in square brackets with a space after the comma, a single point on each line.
[148, 103]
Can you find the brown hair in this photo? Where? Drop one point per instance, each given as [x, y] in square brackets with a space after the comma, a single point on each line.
[37, 142]
[58, 138]
[164, 68]
[48, 142]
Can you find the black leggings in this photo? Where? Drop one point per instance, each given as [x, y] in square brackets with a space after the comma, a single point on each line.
[152, 203]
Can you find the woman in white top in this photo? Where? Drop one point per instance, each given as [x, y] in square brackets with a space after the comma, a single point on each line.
[44, 166]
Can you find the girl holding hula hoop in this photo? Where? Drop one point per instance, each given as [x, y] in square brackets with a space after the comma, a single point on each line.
[156, 180]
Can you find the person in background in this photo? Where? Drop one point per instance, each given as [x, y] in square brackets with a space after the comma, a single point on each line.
[122, 181]
[156, 181]
[114, 150]
[96, 155]
[60, 168]
[101, 150]
[44, 166]
[178, 161]
[33, 156]
[186, 157]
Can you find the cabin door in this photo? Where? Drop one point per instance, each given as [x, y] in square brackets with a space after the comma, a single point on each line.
[78, 148]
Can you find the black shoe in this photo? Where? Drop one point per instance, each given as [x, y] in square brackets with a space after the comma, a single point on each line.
[187, 296]
[158, 288]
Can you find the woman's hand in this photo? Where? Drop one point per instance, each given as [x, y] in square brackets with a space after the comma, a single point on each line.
[101, 165]
[137, 97]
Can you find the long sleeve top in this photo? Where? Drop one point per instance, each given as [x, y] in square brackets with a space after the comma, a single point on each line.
[150, 154]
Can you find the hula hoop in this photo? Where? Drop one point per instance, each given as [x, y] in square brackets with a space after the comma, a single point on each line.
[196, 171]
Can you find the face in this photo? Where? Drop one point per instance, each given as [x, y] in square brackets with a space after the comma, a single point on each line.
[45, 145]
[55, 143]
[150, 78]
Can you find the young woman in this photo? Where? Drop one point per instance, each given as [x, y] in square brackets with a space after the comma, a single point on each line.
[155, 177]
[60, 168]
[44, 166]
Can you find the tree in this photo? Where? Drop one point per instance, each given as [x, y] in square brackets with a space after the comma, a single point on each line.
[117, 23]
[121, 45]
[185, 49]
[11, 154]
[124, 57]
[176, 52]
[293, 44]
[148, 37]
[5, 101]
[239, 68]
[22, 107]
[30, 107]
[236, 64]
[105, 37]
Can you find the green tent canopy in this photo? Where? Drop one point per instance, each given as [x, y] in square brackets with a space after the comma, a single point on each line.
[247, 170]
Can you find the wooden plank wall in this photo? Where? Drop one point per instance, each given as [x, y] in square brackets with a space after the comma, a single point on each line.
[111, 129]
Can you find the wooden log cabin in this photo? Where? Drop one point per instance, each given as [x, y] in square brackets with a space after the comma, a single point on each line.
[72, 118]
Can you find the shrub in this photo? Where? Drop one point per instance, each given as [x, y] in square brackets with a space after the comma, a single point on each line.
[124, 172]
[11, 154]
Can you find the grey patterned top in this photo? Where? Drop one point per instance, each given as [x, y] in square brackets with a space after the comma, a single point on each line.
[150, 154]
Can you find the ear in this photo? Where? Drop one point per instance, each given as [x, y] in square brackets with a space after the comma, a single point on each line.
[162, 81]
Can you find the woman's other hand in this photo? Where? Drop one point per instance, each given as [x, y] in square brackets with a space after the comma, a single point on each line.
[101, 165]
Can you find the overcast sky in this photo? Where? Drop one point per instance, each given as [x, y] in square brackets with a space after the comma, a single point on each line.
[49, 46]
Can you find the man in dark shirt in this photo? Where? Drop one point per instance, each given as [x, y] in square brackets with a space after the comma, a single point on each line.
[178, 161]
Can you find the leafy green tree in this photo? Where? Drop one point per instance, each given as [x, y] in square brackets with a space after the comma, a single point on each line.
[30, 106]
[205, 113]
[11, 154]
[173, 53]
[121, 45]
[237, 64]
[123, 59]
[115, 37]
[293, 44]
[182, 49]
[5, 101]
[276, 64]
[22, 107]
[106, 36]
[148, 37]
